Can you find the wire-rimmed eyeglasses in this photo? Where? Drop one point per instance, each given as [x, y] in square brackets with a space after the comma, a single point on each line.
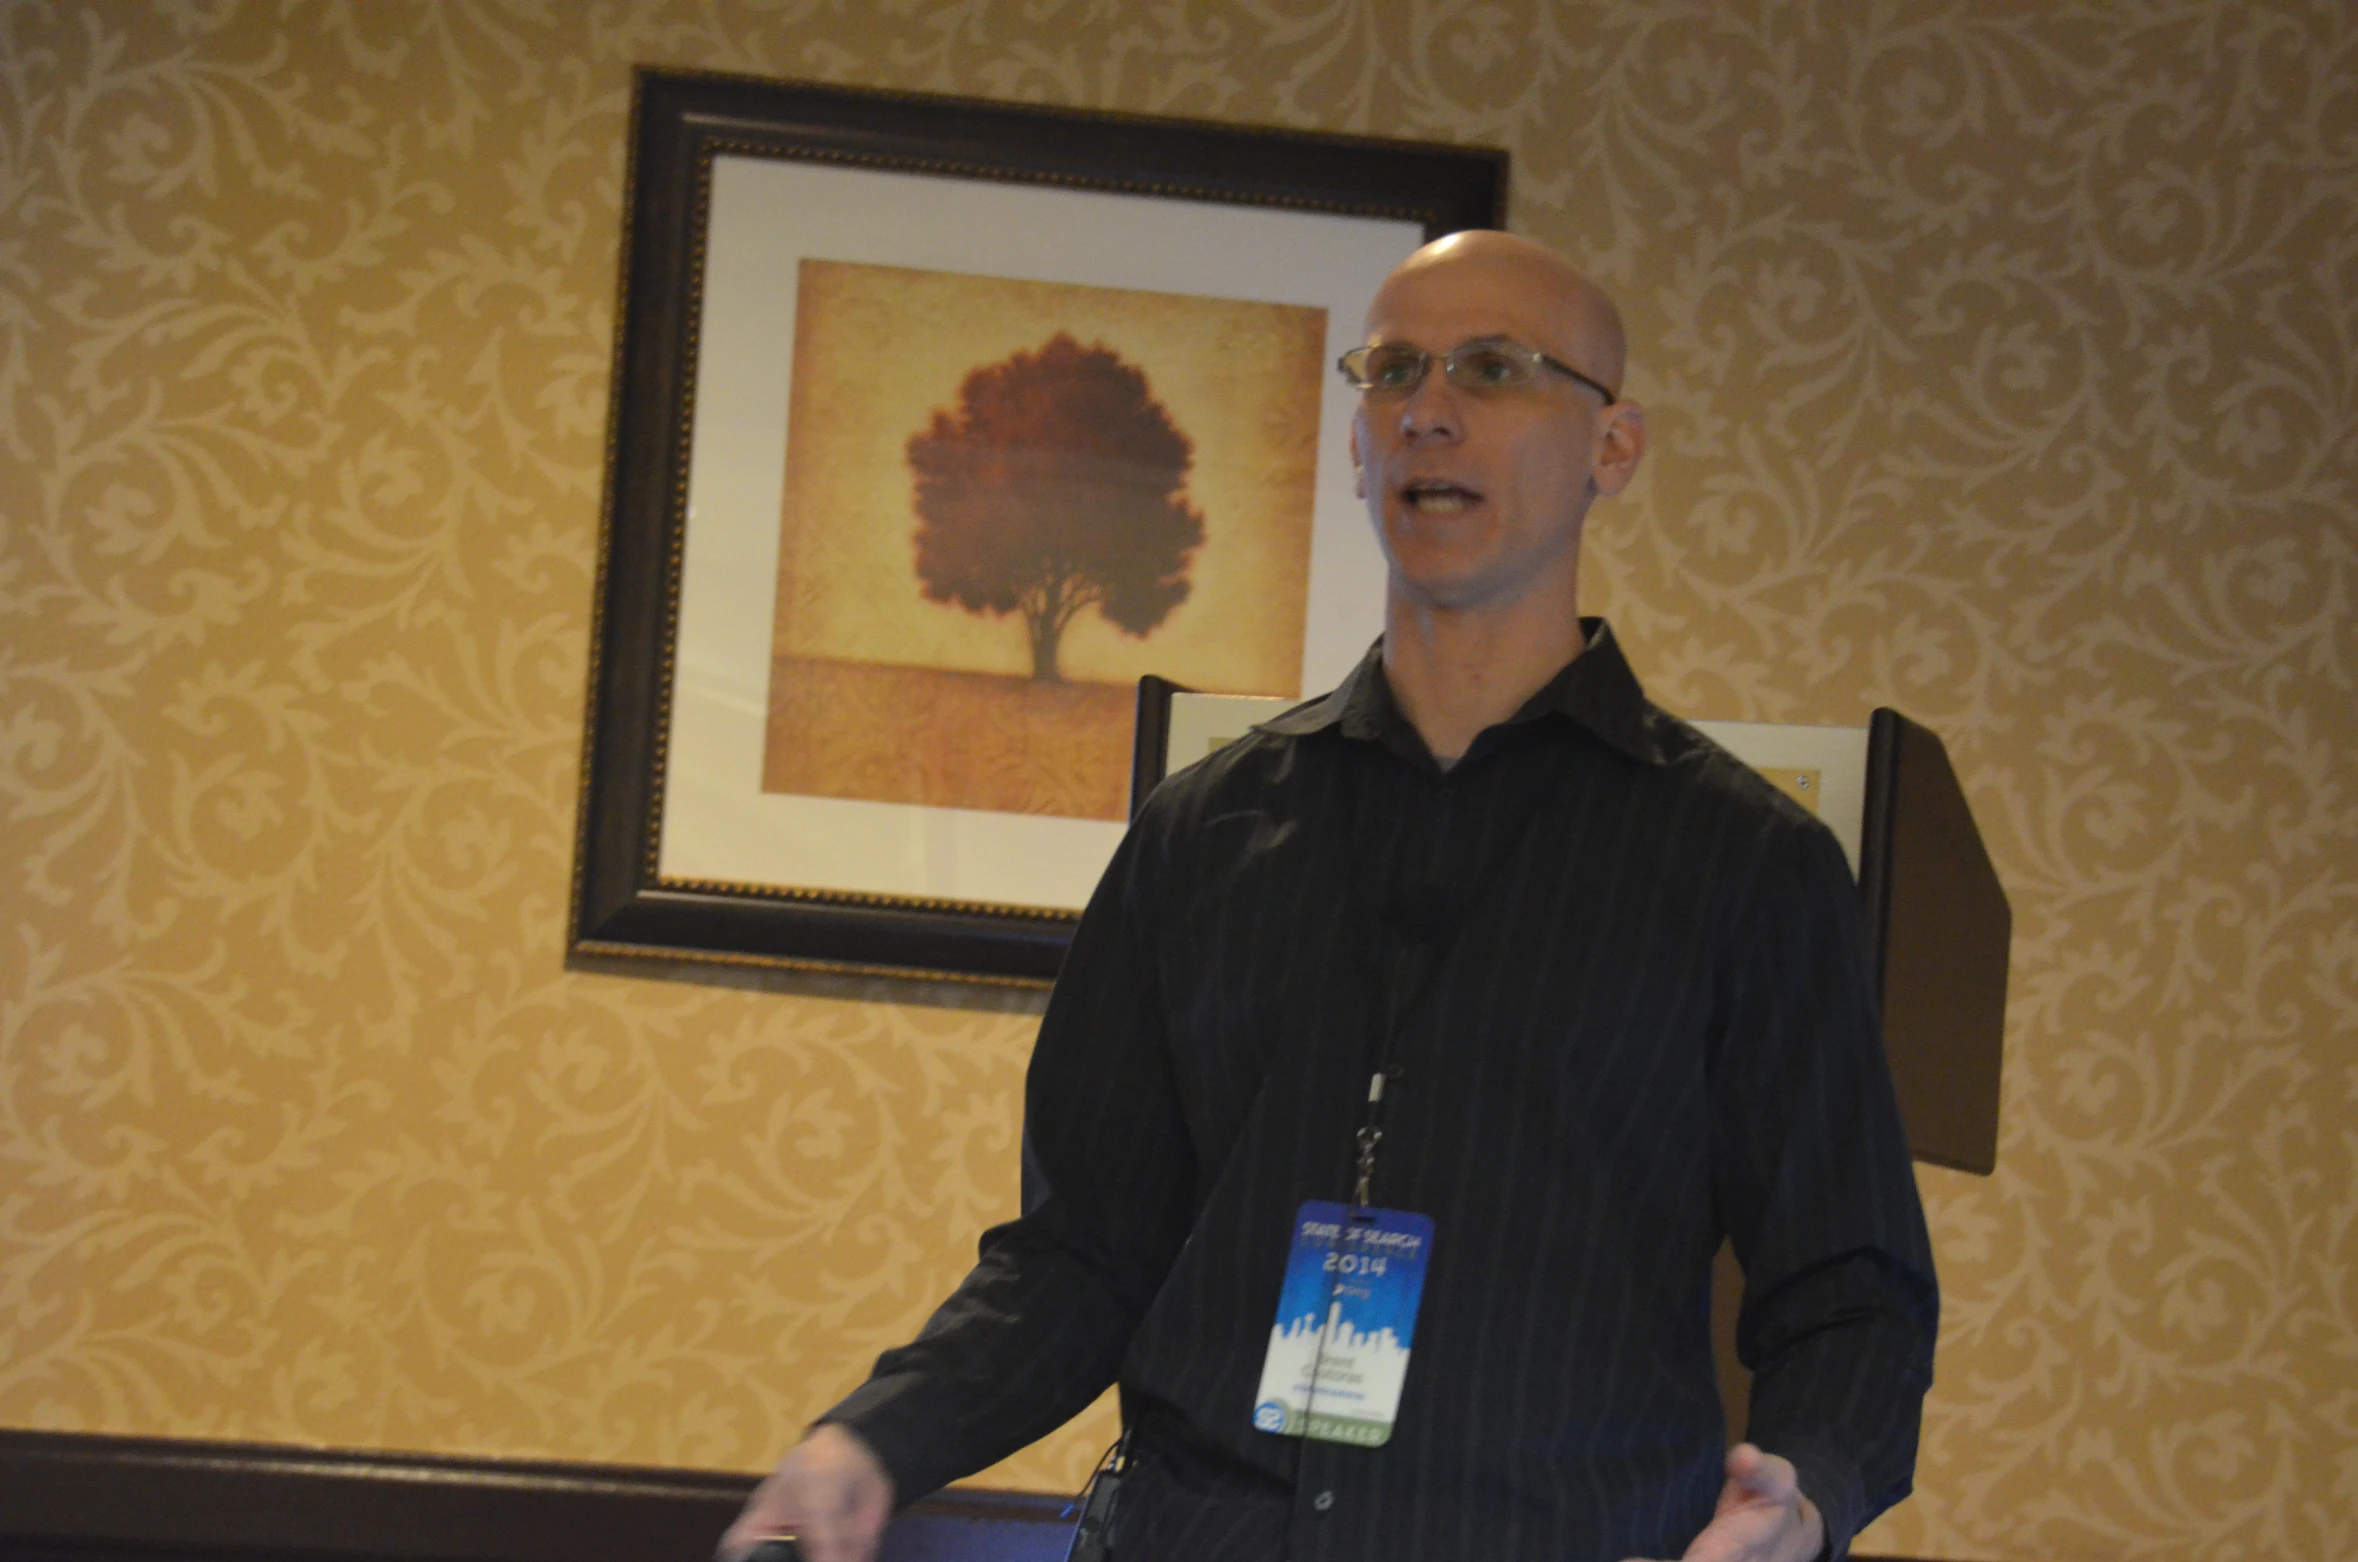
[1490, 363]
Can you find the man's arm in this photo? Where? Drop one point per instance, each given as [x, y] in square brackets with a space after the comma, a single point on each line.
[1811, 1173]
[1038, 1328]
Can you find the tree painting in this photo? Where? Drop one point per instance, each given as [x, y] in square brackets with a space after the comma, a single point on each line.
[1058, 484]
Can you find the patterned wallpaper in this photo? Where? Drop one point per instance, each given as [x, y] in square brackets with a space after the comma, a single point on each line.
[2004, 367]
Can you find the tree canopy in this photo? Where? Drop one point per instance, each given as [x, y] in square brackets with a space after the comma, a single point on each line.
[1057, 483]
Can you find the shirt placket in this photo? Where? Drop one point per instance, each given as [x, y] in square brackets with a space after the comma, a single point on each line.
[1421, 856]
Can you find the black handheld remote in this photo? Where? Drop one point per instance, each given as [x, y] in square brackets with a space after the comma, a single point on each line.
[1093, 1537]
[778, 1548]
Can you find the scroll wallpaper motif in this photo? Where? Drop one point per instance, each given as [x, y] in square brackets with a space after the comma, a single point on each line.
[2003, 362]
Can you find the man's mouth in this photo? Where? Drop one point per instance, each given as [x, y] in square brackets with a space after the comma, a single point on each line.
[1436, 496]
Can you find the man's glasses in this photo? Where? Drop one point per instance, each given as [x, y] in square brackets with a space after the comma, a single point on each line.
[1488, 364]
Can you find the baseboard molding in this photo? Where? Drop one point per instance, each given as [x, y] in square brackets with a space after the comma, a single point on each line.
[154, 1499]
[76, 1497]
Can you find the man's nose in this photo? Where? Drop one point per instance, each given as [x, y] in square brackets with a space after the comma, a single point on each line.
[1430, 411]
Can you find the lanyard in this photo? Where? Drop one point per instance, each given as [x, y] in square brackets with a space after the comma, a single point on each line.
[1371, 1134]
[1432, 919]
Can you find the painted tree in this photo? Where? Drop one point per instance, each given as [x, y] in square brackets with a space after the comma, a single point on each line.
[1057, 484]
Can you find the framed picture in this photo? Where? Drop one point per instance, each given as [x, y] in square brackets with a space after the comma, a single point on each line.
[936, 425]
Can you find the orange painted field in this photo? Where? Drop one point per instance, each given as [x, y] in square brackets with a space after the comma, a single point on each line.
[952, 740]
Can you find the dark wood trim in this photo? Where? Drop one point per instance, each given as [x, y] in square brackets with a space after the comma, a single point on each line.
[72, 1494]
[1150, 739]
[78, 1497]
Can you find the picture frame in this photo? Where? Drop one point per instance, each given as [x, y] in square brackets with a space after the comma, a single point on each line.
[739, 192]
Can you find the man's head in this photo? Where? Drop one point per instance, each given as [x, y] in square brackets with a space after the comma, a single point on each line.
[1478, 494]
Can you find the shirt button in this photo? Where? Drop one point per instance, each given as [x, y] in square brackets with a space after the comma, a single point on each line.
[1323, 1501]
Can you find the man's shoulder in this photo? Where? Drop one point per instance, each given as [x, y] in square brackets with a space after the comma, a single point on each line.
[1251, 770]
[1697, 760]
[1203, 821]
[1712, 778]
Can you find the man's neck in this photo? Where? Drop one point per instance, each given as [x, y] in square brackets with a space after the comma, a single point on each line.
[1456, 673]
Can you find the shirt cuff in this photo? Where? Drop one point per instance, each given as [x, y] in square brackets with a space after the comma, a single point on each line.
[1834, 1487]
[886, 1415]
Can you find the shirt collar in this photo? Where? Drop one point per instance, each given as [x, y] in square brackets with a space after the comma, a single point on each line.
[1595, 690]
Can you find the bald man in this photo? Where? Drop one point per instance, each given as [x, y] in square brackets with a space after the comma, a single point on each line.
[1414, 1057]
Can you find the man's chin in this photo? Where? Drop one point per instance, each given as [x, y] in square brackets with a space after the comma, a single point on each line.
[1439, 567]
[1462, 586]
[1471, 573]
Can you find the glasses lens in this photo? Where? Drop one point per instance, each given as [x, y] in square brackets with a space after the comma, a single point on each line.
[1390, 368]
[1488, 366]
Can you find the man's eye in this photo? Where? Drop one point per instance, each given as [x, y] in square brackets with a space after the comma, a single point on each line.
[1488, 366]
[1392, 370]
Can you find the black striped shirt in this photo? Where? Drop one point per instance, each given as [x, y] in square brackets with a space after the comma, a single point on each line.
[1624, 985]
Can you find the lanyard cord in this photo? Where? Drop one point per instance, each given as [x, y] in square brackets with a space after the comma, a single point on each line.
[1437, 924]
[1377, 979]
[1371, 1134]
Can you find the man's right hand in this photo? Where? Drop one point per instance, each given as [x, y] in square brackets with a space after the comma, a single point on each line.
[830, 1492]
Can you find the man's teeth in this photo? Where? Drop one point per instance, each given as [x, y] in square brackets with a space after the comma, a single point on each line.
[1442, 500]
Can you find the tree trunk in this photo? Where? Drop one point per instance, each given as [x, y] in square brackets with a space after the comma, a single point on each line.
[1046, 632]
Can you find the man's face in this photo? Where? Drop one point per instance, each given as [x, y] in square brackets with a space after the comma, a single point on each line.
[1478, 497]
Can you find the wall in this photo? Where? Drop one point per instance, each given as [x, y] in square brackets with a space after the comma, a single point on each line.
[2001, 363]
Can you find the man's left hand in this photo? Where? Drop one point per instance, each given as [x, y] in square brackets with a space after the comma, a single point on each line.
[1762, 1516]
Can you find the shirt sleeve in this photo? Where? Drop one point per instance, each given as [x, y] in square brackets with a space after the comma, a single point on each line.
[1039, 1327]
[1811, 1173]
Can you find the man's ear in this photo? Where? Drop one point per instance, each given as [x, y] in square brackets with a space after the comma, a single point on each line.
[1358, 472]
[1621, 444]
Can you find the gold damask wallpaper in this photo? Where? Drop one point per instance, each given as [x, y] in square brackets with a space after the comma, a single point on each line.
[2004, 366]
